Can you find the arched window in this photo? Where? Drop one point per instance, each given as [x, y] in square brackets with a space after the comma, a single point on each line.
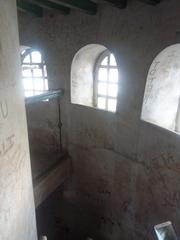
[34, 73]
[161, 104]
[94, 78]
[106, 82]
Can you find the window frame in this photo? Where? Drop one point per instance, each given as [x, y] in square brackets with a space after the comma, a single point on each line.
[41, 65]
[98, 65]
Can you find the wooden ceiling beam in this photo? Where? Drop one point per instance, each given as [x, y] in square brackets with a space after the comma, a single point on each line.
[51, 5]
[151, 2]
[29, 8]
[84, 5]
[118, 3]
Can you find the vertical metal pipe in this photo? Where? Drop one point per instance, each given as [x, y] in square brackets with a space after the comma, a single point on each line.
[59, 124]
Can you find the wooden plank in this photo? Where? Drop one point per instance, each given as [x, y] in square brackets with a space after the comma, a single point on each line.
[51, 94]
[85, 5]
[118, 3]
[51, 5]
[151, 2]
[49, 182]
[29, 8]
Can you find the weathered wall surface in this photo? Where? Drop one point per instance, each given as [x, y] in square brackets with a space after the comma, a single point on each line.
[126, 172]
[17, 217]
[43, 130]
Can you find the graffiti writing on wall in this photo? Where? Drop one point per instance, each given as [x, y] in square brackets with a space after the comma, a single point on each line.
[151, 79]
[3, 109]
[10, 146]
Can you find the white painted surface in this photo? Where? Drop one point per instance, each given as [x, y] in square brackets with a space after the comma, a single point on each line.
[82, 74]
[161, 97]
[17, 216]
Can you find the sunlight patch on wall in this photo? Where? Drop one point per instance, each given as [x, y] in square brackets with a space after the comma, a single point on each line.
[161, 98]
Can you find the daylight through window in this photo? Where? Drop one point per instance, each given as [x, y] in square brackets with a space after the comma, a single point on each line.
[34, 73]
[106, 82]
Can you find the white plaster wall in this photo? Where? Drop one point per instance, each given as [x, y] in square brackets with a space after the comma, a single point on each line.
[161, 97]
[17, 215]
[82, 74]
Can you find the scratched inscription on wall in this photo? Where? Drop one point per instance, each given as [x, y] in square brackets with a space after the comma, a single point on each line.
[7, 139]
[151, 79]
[12, 161]
[160, 63]
[10, 146]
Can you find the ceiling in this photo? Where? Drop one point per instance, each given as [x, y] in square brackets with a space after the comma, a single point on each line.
[36, 7]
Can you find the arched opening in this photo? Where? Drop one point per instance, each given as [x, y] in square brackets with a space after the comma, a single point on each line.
[34, 72]
[94, 78]
[162, 93]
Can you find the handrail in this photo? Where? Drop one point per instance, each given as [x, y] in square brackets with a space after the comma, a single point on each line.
[44, 96]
